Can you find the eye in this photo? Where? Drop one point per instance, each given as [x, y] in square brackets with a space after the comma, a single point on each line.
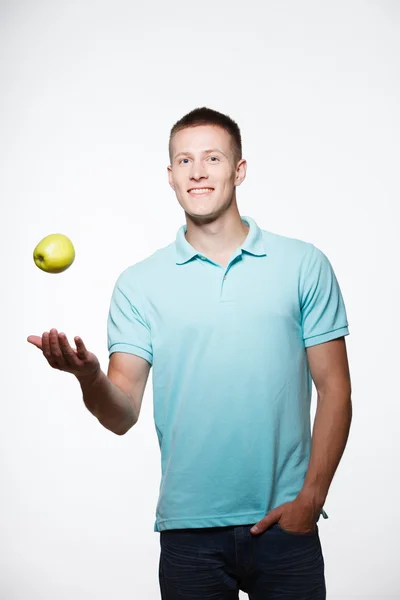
[214, 157]
[181, 161]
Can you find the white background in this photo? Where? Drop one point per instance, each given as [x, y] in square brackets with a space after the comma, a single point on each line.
[89, 92]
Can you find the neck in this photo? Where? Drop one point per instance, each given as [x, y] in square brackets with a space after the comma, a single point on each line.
[219, 237]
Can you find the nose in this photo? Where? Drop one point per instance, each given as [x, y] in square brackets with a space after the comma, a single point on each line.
[198, 171]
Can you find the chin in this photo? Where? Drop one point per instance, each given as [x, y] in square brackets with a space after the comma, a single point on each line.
[196, 212]
[200, 216]
[205, 214]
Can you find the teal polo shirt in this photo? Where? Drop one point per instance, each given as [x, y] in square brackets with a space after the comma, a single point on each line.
[231, 382]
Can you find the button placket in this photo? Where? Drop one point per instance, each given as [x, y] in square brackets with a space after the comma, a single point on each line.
[224, 294]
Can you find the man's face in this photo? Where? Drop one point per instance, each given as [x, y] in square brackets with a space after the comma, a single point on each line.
[203, 172]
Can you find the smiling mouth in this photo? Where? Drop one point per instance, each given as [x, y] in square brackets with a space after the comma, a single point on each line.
[200, 191]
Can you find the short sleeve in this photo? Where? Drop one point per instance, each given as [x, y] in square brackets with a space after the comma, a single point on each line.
[127, 327]
[323, 313]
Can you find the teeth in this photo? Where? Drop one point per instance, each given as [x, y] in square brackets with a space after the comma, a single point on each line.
[202, 191]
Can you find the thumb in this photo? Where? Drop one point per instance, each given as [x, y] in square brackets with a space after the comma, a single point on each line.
[80, 348]
[271, 518]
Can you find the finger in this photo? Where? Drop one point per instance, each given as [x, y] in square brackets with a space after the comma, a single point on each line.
[46, 344]
[56, 355]
[266, 522]
[68, 352]
[36, 340]
[47, 351]
[81, 348]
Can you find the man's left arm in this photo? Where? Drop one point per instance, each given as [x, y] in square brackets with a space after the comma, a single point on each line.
[329, 369]
[324, 327]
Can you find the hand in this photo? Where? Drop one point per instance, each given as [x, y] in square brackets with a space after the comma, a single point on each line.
[60, 355]
[298, 516]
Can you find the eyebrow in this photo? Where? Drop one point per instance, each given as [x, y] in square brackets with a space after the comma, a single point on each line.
[204, 152]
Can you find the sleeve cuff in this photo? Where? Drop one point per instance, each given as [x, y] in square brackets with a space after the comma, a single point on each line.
[326, 337]
[131, 349]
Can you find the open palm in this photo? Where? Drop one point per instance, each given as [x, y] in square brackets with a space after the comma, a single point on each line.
[60, 354]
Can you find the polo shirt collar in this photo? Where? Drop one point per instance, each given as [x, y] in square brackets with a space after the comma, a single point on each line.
[253, 244]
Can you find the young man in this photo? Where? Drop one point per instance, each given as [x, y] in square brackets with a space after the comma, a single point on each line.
[236, 322]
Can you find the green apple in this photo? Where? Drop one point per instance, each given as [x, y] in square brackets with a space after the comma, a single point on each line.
[54, 253]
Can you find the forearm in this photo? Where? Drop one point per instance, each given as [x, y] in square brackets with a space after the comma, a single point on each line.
[330, 433]
[108, 403]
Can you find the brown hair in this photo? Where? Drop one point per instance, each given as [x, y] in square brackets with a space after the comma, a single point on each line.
[207, 116]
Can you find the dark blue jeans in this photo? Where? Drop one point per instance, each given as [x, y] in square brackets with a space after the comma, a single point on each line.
[215, 563]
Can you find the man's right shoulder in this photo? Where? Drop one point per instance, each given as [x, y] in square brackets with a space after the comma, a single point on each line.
[149, 266]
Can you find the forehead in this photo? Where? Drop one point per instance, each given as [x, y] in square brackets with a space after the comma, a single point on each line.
[200, 137]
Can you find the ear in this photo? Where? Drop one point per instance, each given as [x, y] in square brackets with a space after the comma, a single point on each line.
[241, 169]
[170, 178]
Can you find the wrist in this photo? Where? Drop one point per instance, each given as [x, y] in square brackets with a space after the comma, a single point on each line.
[314, 496]
[88, 378]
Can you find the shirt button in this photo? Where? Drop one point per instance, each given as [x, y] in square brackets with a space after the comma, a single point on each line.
[225, 276]
[202, 257]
